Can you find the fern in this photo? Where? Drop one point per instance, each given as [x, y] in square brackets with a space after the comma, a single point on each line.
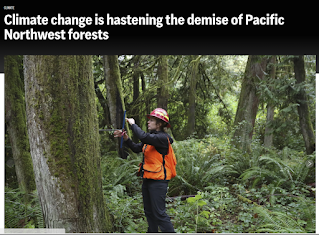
[117, 171]
[277, 222]
[275, 162]
[38, 215]
[196, 166]
[268, 169]
[237, 163]
[302, 170]
[21, 209]
[302, 221]
[257, 172]
[307, 210]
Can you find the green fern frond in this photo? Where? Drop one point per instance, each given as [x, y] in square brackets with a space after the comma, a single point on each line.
[277, 222]
[214, 172]
[257, 172]
[18, 210]
[282, 166]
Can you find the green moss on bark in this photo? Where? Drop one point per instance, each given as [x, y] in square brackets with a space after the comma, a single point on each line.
[66, 100]
[248, 103]
[115, 96]
[303, 109]
[16, 123]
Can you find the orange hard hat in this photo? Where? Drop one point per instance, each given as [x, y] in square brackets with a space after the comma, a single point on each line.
[160, 114]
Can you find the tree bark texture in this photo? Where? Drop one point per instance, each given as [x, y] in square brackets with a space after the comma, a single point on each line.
[136, 93]
[115, 96]
[64, 139]
[248, 102]
[192, 96]
[303, 109]
[104, 105]
[268, 139]
[15, 117]
[162, 91]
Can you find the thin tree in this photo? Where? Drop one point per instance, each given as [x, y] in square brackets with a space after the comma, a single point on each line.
[115, 96]
[135, 111]
[162, 90]
[64, 140]
[268, 139]
[192, 95]
[303, 109]
[15, 117]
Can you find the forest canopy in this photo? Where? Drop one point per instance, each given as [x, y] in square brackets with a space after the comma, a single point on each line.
[243, 129]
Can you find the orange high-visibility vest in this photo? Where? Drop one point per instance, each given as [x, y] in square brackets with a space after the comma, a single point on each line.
[157, 166]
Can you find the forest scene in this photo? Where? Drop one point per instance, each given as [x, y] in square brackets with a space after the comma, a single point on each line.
[243, 129]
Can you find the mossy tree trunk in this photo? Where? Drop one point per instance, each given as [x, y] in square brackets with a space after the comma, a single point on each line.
[146, 99]
[115, 96]
[248, 102]
[268, 139]
[106, 116]
[192, 95]
[135, 111]
[64, 139]
[162, 90]
[15, 117]
[303, 109]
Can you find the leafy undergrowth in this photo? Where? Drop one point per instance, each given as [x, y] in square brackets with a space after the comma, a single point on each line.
[228, 192]
[22, 210]
[221, 210]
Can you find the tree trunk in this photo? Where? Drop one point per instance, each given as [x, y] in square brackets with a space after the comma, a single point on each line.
[192, 96]
[303, 109]
[136, 93]
[248, 103]
[64, 140]
[268, 139]
[146, 100]
[106, 116]
[115, 96]
[15, 117]
[162, 91]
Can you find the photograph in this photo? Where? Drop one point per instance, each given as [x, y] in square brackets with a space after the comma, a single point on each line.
[123, 119]
[160, 143]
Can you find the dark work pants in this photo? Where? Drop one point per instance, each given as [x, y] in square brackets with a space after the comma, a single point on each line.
[154, 194]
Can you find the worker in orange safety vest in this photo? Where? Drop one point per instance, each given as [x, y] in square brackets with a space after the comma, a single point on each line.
[157, 167]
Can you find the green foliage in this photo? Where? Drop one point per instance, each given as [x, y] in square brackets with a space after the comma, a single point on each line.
[198, 164]
[217, 78]
[301, 219]
[117, 171]
[269, 195]
[201, 213]
[279, 168]
[22, 210]
[192, 216]
[263, 169]
[281, 93]
[231, 192]
[127, 211]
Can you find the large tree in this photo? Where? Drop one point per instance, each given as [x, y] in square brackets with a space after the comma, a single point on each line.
[15, 117]
[248, 102]
[303, 109]
[64, 140]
